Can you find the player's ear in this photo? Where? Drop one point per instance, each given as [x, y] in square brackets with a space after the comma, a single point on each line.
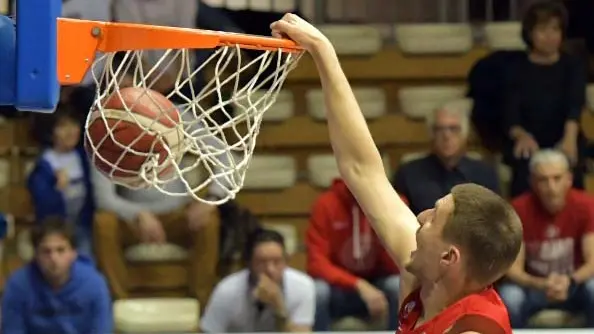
[450, 256]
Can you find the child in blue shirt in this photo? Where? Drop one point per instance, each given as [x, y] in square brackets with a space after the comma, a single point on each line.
[60, 183]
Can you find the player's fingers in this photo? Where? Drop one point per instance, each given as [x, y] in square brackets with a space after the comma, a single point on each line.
[277, 34]
[283, 27]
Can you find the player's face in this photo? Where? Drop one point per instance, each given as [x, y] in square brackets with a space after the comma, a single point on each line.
[54, 256]
[551, 182]
[426, 261]
[66, 134]
[547, 37]
[448, 137]
[269, 259]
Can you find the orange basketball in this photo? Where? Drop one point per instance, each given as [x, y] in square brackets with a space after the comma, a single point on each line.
[134, 125]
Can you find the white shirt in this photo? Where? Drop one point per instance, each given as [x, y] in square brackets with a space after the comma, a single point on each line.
[232, 308]
[76, 191]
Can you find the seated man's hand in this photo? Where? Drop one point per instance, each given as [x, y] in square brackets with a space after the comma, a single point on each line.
[150, 228]
[199, 214]
[558, 288]
[268, 292]
[376, 301]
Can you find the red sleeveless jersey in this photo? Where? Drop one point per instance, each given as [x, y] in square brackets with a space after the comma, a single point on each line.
[486, 304]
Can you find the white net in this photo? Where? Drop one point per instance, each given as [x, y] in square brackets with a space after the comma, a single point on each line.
[220, 118]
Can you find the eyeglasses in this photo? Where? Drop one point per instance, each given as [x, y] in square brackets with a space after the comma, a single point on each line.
[455, 129]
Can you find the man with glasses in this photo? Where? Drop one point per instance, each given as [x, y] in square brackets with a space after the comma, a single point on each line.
[425, 180]
[267, 296]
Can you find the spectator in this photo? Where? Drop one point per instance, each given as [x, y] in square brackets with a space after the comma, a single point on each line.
[60, 182]
[59, 291]
[266, 297]
[354, 275]
[425, 180]
[555, 268]
[545, 97]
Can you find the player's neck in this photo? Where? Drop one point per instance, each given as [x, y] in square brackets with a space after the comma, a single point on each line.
[438, 296]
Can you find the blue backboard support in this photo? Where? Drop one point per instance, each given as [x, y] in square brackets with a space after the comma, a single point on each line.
[28, 56]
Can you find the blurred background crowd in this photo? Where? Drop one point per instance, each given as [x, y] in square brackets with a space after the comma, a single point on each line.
[494, 92]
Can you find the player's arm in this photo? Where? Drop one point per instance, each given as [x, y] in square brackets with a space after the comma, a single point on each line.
[517, 273]
[358, 159]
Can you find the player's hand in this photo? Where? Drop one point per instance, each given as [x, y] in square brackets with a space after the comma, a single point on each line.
[558, 287]
[150, 228]
[299, 30]
[374, 299]
[525, 146]
[62, 179]
[199, 215]
[268, 292]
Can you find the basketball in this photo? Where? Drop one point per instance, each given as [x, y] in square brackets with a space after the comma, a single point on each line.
[134, 126]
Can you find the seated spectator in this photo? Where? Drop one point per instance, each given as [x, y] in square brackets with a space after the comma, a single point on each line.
[60, 183]
[59, 291]
[555, 267]
[425, 180]
[266, 297]
[354, 275]
[545, 97]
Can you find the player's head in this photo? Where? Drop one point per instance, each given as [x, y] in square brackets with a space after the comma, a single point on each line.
[544, 25]
[550, 178]
[448, 127]
[265, 254]
[55, 248]
[472, 234]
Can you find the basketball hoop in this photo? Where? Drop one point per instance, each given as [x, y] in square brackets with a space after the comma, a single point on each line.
[223, 149]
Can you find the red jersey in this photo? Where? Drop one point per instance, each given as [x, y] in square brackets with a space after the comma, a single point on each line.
[485, 304]
[341, 245]
[553, 243]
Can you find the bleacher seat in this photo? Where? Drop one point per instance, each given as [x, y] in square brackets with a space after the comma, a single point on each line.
[156, 315]
[4, 172]
[322, 169]
[288, 231]
[270, 172]
[353, 39]
[155, 253]
[590, 97]
[504, 36]
[439, 38]
[371, 99]
[24, 247]
[418, 155]
[279, 6]
[280, 110]
[419, 102]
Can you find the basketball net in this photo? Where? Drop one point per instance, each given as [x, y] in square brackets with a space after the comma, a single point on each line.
[222, 149]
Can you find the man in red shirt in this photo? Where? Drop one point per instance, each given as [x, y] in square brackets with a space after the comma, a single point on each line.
[555, 267]
[354, 274]
[449, 256]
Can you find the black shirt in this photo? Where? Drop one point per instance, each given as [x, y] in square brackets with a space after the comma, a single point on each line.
[541, 98]
[424, 181]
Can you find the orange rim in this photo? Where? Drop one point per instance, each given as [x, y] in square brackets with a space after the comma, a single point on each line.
[79, 40]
